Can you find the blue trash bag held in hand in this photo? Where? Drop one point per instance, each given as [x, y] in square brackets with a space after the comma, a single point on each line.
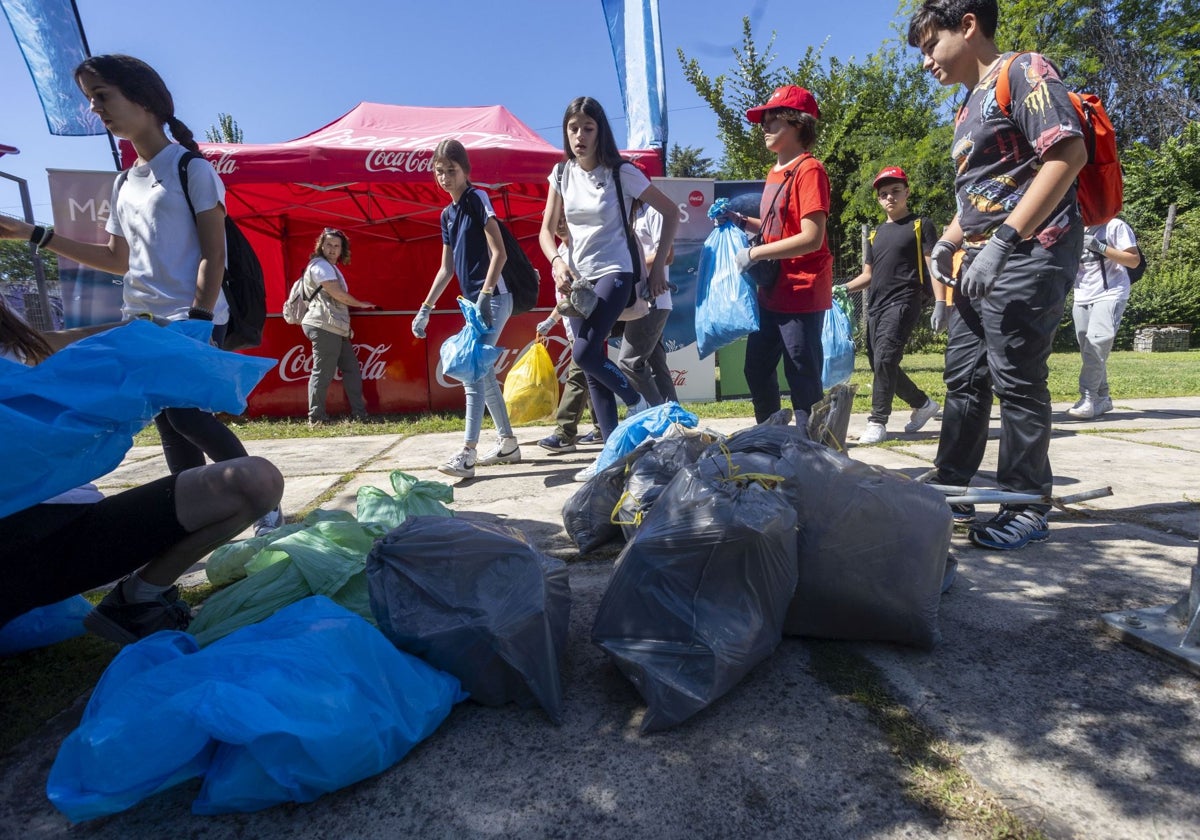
[72, 418]
[838, 343]
[653, 422]
[726, 302]
[464, 356]
[307, 702]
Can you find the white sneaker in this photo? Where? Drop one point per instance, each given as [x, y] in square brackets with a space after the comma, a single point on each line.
[461, 465]
[921, 416]
[507, 451]
[268, 522]
[874, 433]
[1085, 409]
[587, 473]
[1103, 405]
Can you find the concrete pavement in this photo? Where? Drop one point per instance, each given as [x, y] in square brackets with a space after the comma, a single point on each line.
[1078, 734]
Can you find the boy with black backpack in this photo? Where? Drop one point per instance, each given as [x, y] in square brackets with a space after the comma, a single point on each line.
[896, 279]
[1110, 253]
[1020, 225]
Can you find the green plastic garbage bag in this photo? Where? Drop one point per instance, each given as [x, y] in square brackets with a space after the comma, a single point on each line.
[413, 497]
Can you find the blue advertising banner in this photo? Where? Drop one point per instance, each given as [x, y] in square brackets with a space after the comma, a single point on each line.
[50, 38]
[636, 36]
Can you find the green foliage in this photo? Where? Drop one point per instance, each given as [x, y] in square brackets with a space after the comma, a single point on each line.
[16, 263]
[225, 131]
[1167, 295]
[687, 162]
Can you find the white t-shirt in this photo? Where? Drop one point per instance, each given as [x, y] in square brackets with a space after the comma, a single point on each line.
[151, 213]
[648, 229]
[598, 244]
[323, 311]
[1090, 279]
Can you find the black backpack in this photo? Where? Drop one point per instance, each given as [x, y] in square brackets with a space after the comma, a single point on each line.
[1135, 273]
[243, 285]
[521, 278]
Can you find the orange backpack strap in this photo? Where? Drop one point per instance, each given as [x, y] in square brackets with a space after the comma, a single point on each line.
[1003, 86]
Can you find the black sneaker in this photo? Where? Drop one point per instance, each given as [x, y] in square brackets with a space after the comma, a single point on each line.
[963, 514]
[120, 621]
[1010, 529]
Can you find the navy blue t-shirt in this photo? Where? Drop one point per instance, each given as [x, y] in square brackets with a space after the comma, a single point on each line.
[462, 230]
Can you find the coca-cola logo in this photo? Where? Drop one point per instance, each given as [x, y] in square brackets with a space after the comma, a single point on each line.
[297, 363]
[695, 198]
[400, 160]
[225, 164]
[555, 344]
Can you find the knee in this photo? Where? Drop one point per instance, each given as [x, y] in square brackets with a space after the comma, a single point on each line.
[257, 481]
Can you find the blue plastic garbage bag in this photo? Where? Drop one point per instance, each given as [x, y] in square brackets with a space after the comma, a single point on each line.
[837, 340]
[72, 418]
[726, 302]
[464, 356]
[307, 702]
[653, 422]
[44, 626]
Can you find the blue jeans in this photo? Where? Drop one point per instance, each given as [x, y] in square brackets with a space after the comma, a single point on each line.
[590, 351]
[796, 337]
[1001, 344]
[486, 389]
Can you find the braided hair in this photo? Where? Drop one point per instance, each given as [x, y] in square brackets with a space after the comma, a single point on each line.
[141, 85]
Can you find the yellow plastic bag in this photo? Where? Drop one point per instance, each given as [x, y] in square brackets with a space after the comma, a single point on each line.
[531, 387]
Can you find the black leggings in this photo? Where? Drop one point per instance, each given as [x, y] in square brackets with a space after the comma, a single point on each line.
[50, 552]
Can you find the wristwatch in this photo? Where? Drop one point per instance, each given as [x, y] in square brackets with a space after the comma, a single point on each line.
[1007, 234]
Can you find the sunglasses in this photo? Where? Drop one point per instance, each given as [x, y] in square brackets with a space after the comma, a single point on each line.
[333, 231]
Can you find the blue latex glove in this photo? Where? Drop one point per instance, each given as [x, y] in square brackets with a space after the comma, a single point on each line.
[483, 304]
[421, 321]
[940, 317]
[941, 259]
[985, 269]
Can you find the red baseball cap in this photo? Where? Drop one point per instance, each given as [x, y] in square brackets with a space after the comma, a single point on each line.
[786, 96]
[889, 173]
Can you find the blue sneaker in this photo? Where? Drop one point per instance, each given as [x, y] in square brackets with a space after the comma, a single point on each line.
[592, 437]
[963, 515]
[1010, 529]
[556, 444]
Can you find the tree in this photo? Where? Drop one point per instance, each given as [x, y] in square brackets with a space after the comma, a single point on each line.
[225, 131]
[16, 264]
[686, 162]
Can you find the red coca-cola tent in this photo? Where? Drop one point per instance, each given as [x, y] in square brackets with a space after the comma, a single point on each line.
[370, 174]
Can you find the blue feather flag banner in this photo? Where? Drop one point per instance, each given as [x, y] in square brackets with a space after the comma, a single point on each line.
[50, 38]
[633, 28]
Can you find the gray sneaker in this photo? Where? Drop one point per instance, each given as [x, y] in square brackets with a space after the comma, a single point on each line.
[507, 451]
[268, 522]
[461, 465]
[123, 622]
[921, 416]
[1103, 405]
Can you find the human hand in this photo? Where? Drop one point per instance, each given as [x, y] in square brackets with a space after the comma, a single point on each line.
[421, 321]
[12, 228]
[940, 318]
[483, 304]
[941, 259]
[1093, 244]
[985, 269]
[742, 260]
[544, 327]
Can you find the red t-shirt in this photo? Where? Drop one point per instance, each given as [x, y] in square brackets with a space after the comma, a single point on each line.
[805, 282]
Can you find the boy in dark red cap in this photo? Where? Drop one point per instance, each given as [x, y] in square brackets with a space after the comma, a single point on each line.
[896, 275]
[1019, 223]
[792, 216]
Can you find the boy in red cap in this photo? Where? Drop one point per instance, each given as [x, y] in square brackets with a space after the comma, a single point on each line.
[1019, 223]
[793, 212]
[895, 274]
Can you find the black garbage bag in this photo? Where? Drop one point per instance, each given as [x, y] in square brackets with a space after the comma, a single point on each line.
[872, 552]
[698, 597]
[652, 472]
[477, 601]
[588, 514]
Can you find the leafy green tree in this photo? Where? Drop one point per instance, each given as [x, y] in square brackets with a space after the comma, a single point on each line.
[687, 162]
[16, 264]
[225, 131]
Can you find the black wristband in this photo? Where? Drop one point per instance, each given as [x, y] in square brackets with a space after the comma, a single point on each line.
[35, 236]
[199, 313]
[45, 243]
[1007, 234]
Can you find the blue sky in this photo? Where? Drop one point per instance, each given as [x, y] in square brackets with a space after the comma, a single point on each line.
[283, 69]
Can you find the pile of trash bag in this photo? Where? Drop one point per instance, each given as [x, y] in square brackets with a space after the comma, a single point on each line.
[308, 701]
[478, 601]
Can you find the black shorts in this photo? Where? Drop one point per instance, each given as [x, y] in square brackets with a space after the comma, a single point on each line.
[51, 552]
